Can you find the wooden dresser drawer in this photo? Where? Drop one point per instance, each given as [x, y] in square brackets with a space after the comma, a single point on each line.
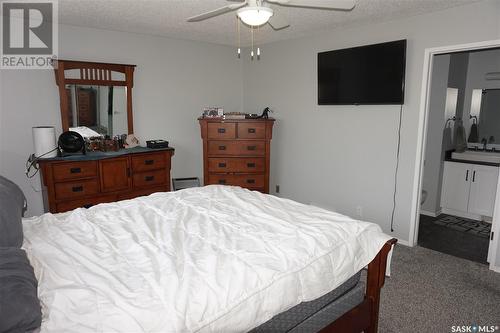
[156, 177]
[221, 130]
[243, 164]
[143, 192]
[247, 181]
[76, 189]
[148, 162]
[74, 170]
[85, 203]
[250, 148]
[221, 179]
[251, 130]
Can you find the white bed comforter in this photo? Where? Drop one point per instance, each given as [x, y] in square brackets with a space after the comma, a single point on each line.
[211, 259]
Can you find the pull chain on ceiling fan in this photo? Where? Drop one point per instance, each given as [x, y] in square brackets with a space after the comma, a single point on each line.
[256, 13]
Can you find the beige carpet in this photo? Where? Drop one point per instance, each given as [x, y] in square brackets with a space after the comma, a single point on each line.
[430, 291]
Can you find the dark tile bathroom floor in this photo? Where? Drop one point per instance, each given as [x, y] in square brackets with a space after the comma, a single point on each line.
[453, 242]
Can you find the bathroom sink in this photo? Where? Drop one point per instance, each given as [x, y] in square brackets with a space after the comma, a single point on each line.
[477, 156]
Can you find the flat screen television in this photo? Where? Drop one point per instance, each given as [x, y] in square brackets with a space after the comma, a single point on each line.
[371, 74]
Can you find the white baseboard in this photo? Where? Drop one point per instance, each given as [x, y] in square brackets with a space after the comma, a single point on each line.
[431, 214]
[462, 214]
[403, 242]
[495, 269]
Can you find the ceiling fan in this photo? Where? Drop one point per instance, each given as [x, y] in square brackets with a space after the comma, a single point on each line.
[256, 12]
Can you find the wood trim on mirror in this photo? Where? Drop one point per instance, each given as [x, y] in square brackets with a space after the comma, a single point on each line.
[93, 73]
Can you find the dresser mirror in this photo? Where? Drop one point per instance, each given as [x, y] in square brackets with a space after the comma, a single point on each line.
[95, 95]
[100, 108]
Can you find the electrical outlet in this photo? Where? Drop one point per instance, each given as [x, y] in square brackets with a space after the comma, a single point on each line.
[359, 211]
[277, 189]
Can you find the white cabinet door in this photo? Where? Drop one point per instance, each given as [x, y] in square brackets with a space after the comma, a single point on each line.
[483, 190]
[456, 186]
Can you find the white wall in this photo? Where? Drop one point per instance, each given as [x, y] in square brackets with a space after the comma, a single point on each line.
[434, 142]
[174, 80]
[457, 78]
[344, 156]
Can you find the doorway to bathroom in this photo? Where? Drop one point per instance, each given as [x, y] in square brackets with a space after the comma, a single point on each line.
[462, 154]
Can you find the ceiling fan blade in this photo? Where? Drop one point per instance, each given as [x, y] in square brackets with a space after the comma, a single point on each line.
[216, 12]
[323, 4]
[278, 21]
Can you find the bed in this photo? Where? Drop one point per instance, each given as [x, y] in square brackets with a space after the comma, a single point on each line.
[208, 259]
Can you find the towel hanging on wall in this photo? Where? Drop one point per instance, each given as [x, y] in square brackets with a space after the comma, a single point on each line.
[447, 138]
[474, 132]
[460, 143]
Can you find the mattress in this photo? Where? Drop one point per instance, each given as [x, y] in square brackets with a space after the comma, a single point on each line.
[298, 315]
[209, 259]
[332, 311]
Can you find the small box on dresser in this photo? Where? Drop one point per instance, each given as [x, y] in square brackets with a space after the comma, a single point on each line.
[237, 152]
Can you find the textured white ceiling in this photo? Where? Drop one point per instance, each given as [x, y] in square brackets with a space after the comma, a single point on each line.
[168, 17]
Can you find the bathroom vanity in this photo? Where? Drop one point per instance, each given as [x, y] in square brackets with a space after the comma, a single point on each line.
[470, 184]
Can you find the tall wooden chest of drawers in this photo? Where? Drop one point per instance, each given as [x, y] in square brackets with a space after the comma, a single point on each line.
[237, 152]
[87, 180]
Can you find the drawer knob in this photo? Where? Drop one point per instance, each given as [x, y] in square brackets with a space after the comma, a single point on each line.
[149, 178]
[222, 147]
[222, 181]
[75, 170]
[149, 162]
[221, 130]
[250, 181]
[77, 188]
[250, 165]
[251, 147]
[251, 130]
[222, 165]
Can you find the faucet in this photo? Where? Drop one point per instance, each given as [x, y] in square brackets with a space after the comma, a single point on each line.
[484, 143]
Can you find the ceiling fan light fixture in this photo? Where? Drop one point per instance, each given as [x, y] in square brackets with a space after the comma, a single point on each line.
[255, 16]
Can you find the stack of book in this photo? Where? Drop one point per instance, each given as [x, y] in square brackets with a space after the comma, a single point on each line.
[234, 115]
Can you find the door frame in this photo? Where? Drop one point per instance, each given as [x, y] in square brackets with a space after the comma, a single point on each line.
[422, 138]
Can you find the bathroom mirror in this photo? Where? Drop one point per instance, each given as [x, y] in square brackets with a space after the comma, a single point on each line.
[488, 122]
[95, 95]
[100, 108]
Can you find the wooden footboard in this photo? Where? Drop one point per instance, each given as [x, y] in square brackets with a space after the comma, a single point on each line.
[364, 317]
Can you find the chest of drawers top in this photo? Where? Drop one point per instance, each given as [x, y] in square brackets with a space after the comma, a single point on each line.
[236, 129]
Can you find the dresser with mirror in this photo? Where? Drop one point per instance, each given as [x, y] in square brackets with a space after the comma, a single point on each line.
[98, 96]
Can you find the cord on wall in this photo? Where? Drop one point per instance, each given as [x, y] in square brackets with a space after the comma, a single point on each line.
[32, 163]
[397, 168]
